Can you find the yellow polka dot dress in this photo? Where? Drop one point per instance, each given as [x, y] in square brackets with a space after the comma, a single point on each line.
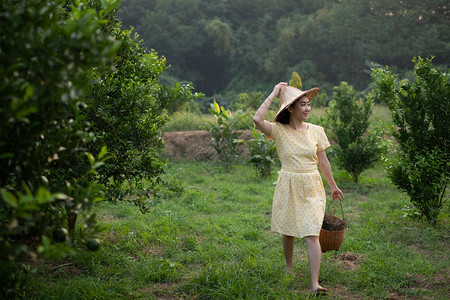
[299, 198]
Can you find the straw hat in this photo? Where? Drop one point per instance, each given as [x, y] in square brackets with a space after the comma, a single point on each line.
[289, 95]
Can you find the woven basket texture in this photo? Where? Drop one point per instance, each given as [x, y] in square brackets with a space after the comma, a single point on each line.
[331, 240]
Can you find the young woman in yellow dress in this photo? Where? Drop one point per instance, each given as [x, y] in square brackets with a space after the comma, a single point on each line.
[299, 198]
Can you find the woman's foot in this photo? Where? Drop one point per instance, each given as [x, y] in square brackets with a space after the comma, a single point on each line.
[290, 270]
[319, 291]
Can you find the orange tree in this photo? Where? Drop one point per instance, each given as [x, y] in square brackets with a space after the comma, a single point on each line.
[347, 120]
[127, 106]
[79, 117]
[47, 49]
[420, 166]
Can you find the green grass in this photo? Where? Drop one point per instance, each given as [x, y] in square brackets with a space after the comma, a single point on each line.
[380, 113]
[208, 237]
[187, 121]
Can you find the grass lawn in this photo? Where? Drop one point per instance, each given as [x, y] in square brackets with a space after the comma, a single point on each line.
[208, 237]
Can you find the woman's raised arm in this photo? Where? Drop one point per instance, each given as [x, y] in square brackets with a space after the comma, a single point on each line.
[260, 116]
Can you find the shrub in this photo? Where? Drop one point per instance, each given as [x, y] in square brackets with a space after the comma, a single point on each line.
[420, 110]
[225, 134]
[347, 119]
[263, 153]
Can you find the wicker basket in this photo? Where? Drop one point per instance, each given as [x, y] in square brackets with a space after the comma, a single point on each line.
[331, 240]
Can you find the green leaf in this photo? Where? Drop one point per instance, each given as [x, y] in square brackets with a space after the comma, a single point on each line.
[105, 4]
[97, 165]
[60, 196]
[6, 155]
[103, 152]
[216, 107]
[43, 195]
[90, 157]
[109, 5]
[10, 198]
[225, 113]
[29, 91]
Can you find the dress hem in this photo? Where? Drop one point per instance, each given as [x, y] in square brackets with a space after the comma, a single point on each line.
[294, 235]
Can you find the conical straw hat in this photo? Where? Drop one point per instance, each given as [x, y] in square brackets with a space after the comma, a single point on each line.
[289, 95]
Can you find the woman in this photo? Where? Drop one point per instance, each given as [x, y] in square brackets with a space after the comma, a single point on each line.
[299, 198]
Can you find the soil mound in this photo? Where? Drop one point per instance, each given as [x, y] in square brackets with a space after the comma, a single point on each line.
[195, 145]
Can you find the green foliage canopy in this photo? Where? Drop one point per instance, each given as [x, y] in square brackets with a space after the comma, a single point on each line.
[245, 46]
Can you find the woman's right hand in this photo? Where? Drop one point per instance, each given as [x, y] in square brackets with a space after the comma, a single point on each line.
[336, 194]
[278, 87]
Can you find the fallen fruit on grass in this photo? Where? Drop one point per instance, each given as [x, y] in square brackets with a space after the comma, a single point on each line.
[93, 244]
[60, 235]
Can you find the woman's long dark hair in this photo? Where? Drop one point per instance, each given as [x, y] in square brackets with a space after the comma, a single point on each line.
[284, 117]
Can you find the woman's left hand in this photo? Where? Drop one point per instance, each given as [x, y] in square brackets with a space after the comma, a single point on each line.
[336, 194]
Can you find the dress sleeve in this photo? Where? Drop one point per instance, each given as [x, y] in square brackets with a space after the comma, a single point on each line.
[275, 131]
[322, 140]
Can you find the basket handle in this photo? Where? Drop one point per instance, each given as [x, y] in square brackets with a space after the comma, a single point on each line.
[331, 203]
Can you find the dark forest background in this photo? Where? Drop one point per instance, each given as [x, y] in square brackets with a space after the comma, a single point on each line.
[226, 47]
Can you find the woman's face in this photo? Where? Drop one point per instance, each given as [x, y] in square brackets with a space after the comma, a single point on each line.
[300, 109]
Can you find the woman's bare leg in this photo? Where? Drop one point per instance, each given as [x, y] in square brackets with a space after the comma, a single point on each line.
[314, 255]
[288, 246]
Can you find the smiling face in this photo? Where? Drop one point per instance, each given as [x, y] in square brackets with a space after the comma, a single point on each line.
[300, 109]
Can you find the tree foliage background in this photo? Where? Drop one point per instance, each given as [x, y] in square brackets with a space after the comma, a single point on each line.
[228, 47]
